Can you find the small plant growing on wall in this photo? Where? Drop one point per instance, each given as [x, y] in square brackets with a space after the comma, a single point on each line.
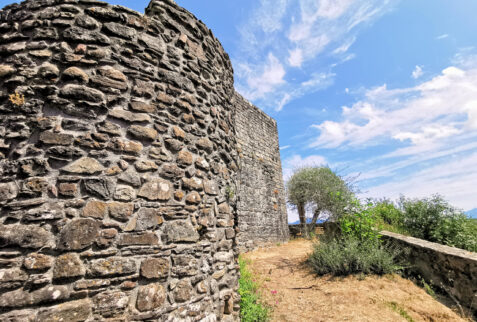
[229, 192]
[17, 99]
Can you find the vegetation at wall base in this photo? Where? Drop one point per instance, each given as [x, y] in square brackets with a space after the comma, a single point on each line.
[251, 309]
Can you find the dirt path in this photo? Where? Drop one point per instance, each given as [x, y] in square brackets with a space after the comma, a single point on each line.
[298, 295]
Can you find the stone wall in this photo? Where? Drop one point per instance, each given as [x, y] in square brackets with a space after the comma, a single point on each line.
[446, 267]
[117, 158]
[261, 208]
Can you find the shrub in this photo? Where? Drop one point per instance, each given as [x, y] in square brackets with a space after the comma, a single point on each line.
[434, 219]
[251, 310]
[348, 255]
[360, 223]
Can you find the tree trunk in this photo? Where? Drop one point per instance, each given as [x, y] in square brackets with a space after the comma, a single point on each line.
[316, 214]
[301, 215]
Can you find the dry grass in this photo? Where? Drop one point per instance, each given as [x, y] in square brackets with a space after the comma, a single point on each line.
[296, 294]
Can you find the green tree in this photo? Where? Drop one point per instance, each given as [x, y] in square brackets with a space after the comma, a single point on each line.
[320, 188]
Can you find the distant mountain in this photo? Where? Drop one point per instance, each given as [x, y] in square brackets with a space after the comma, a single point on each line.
[472, 213]
[308, 220]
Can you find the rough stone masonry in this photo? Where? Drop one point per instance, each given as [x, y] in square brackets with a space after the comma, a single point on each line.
[129, 173]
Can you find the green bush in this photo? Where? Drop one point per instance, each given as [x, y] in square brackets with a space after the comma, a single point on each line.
[434, 219]
[348, 255]
[360, 223]
[251, 310]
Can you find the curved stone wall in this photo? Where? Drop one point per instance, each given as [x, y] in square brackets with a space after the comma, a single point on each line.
[117, 154]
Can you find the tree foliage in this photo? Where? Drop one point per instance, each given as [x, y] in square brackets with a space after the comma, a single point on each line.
[320, 188]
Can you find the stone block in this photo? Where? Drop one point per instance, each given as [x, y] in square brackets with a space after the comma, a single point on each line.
[111, 266]
[67, 266]
[78, 234]
[150, 297]
[153, 268]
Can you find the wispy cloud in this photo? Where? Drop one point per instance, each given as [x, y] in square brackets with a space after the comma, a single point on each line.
[296, 161]
[433, 110]
[282, 39]
[443, 36]
[417, 72]
[454, 178]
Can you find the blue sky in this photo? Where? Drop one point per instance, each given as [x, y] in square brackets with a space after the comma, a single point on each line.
[382, 88]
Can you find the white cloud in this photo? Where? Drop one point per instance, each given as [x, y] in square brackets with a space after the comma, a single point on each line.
[285, 147]
[296, 58]
[441, 107]
[417, 72]
[454, 178]
[443, 36]
[318, 27]
[265, 80]
[296, 161]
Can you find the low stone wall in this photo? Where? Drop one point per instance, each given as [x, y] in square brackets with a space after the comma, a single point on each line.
[446, 267]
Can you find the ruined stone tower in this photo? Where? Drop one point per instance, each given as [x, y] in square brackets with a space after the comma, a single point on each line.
[129, 166]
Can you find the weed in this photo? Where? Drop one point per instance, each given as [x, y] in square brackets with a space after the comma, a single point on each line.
[229, 192]
[399, 309]
[251, 309]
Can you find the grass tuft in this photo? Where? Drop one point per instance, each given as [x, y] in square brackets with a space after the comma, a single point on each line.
[251, 309]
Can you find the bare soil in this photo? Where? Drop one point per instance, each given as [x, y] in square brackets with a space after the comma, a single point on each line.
[296, 294]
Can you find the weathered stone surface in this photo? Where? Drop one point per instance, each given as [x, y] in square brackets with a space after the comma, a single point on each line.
[126, 146]
[156, 189]
[183, 291]
[49, 137]
[185, 265]
[130, 177]
[142, 133]
[120, 211]
[124, 193]
[147, 238]
[31, 236]
[111, 266]
[184, 158]
[95, 209]
[81, 92]
[153, 268]
[138, 106]
[76, 73]
[20, 298]
[192, 183]
[205, 145]
[78, 234]
[8, 191]
[37, 261]
[119, 30]
[48, 70]
[100, 187]
[92, 37]
[68, 265]
[68, 189]
[84, 166]
[12, 278]
[193, 198]
[129, 116]
[148, 219]
[110, 303]
[145, 166]
[71, 311]
[211, 188]
[180, 231]
[6, 70]
[150, 297]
